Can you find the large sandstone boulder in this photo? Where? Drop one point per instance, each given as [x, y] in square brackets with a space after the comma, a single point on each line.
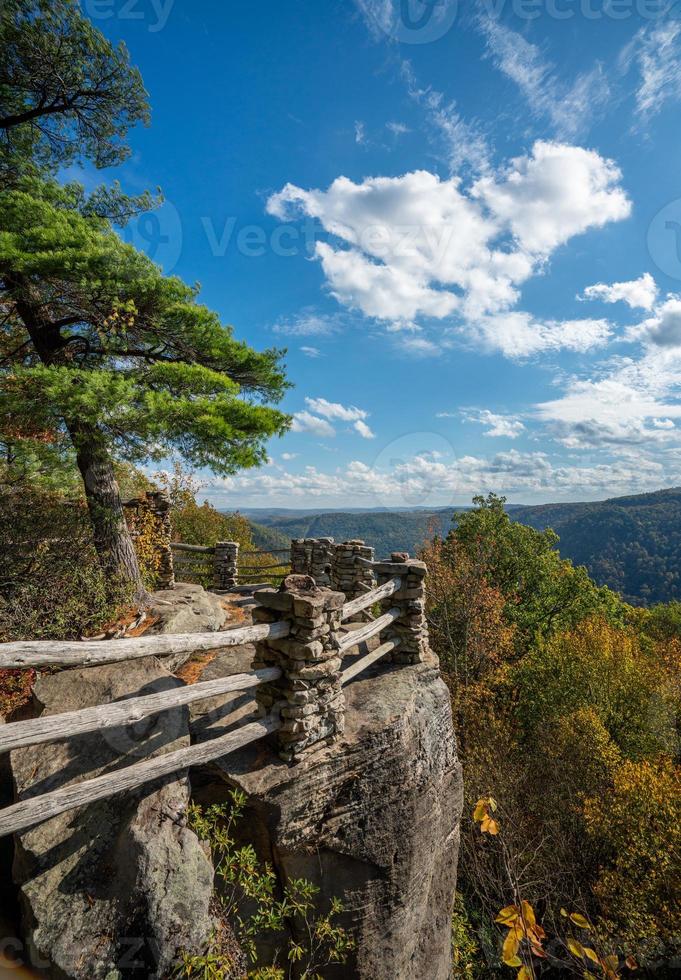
[373, 819]
[186, 608]
[113, 890]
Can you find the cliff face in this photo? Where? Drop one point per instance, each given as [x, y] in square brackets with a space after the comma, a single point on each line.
[372, 819]
[114, 889]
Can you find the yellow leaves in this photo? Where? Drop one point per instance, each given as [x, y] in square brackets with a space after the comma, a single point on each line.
[579, 920]
[522, 924]
[509, 951]
[482, 814]
[575, 948]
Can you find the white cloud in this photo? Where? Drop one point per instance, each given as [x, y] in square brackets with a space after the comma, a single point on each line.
[306, 422]
[557, 192]
[656, 52]
[498, 426]
[311, 352]
[309, 323]
[417, 246]
[287, 457]
[631, 403]
[430, 480]
[569, 108]
[363, 430]
[637, 293]
[663, 329]
[397, 128]
[464, 142]
[334, 410]
[360, 132]
[518, 335]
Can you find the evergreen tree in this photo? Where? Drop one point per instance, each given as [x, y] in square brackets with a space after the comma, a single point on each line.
[101, 350]
[100, 354]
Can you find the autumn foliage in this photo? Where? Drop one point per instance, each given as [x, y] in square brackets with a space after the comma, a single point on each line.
[566, 701]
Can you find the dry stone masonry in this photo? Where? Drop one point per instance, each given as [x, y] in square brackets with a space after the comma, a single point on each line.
[351, 572]
[154, 506]
[411, 629]
[313, 556]
[309, 694]
[226, 565]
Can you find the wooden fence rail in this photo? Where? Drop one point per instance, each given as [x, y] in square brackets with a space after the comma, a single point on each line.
[54, 728]
[374, 595]
[27, 813]
[356, 637]
[50, 653]
[192, 548]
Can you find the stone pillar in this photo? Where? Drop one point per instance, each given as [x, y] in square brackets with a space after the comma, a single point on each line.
[154, 506]
[225, 565]
[313, 556]
[309, 694]
[412, 627]
[350, 575]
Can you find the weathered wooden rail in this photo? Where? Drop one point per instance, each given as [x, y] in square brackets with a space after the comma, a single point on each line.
[301, 635]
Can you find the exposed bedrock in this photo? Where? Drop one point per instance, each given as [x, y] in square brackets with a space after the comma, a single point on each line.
[113, 890]
[372, 819]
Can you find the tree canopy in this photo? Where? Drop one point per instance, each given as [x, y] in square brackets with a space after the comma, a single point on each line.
[65, 90]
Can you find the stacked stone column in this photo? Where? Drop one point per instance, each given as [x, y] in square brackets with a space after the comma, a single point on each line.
[349, 572]
[226, 565]
[313, 556]
[156, 503]
[308, 695]
[411, 628]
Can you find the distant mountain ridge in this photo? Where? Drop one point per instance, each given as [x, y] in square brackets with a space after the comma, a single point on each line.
[632, 544]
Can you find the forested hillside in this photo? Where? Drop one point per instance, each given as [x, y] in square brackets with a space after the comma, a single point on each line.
[630, 544]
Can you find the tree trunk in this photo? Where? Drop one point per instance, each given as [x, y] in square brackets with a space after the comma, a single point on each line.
[111, 533]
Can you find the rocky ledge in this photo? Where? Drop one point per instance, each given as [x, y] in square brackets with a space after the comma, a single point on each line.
[372, 819]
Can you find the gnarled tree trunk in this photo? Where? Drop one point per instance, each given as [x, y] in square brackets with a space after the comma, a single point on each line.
[111, 533]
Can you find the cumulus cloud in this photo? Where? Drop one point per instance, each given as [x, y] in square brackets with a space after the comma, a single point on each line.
[663, 329]
[417, 246]
[287, 457]
[334, 410]
[637, 293]
[497, 426]
[306, 422]
[557, 192]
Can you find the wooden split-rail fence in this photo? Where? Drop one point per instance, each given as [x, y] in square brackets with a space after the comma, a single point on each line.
[302, 634]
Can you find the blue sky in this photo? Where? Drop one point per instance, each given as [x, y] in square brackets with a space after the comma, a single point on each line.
[463, 221]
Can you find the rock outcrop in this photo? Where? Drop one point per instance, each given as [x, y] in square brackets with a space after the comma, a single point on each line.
[372, 819]
[186, 609]
[116, 889]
